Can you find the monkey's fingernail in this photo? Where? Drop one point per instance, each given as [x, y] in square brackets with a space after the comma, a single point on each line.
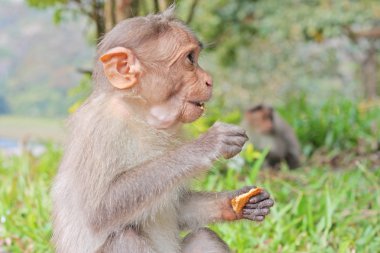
[253, 200]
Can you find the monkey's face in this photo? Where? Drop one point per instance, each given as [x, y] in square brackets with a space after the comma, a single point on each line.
[177, 88]
[164, 71]
[260, 120]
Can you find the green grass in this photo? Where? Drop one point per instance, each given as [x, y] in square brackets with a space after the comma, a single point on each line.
[317, 209]
[25, 203]
[338, 124]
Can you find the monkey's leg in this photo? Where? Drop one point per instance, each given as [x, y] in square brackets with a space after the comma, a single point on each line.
[204, 240]
[292, 160]
[273, 160]
[126, 241]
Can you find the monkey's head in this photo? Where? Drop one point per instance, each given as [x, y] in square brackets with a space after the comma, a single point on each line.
[260, 119]
[154, 59]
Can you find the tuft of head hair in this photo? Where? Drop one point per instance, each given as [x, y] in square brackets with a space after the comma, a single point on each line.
[163, 17]
[169, 13]
[256, 108]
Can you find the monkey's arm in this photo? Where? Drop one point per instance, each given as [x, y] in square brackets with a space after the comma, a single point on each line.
[198, 209]
[138, 192]
[201, 208]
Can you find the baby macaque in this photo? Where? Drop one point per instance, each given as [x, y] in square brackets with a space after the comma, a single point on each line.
[267, 130]
[123, 183]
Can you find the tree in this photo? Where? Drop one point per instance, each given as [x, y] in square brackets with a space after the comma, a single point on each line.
[318, 21]
[103, 14]
[224, 18]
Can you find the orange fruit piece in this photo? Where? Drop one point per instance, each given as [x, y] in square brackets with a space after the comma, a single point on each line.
[240, 201]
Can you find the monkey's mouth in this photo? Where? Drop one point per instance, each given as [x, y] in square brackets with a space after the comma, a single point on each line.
[199, 104]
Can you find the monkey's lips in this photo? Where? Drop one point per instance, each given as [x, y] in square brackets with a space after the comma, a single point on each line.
[199, 104]
[193, 110]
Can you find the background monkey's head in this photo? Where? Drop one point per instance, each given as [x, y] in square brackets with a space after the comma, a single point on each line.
[260, 118]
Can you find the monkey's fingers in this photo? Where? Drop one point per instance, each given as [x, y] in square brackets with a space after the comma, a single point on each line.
[232, 145]
[260, 197]
[230, 130]
[236, 140]
[252, 216]
[230, 151]
[268, 203]
[255, 212]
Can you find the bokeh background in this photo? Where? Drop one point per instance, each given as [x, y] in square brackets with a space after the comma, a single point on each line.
[315, 61]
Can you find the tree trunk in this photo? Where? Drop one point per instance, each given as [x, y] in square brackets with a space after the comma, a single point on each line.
[118, 10]
[192, 11]
[163, 4]
[109, 17]
[369, 73]
[99, 18]
[123, 10]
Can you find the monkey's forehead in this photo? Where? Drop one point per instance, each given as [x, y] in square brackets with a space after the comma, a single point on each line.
[170, 46]
[140, 35]
[186, 36]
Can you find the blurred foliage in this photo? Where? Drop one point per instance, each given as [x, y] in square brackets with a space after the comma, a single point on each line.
[315, 19]
[232, 24]
[337, 124]
[80, 92]
[46, 3]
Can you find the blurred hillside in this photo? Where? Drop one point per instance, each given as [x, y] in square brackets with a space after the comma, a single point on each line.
[39, 60]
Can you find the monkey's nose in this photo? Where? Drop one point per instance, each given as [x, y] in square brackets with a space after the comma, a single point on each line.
[209, 82]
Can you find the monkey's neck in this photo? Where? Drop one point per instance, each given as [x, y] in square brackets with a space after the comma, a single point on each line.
[140, 111]
[108, 122]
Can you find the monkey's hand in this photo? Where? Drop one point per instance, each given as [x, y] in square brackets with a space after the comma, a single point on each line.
[223, 140]
[256, 208]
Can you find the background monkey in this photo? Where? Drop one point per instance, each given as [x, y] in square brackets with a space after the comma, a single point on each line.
[266, 129]
[122, 183]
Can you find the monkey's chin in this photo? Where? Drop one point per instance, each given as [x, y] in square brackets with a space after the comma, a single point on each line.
[192, 112]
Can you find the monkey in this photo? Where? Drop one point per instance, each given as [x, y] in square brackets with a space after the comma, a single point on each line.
[123, 184]
[266, 129]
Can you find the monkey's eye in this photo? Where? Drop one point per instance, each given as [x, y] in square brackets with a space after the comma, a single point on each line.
[190, 57]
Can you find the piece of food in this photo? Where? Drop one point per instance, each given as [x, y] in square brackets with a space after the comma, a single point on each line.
[240, 201]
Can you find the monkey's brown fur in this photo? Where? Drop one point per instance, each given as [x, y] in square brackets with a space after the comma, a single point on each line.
[266, 129]
[122, 182]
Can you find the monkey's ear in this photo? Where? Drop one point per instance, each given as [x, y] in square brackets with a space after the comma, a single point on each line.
[121, 67]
